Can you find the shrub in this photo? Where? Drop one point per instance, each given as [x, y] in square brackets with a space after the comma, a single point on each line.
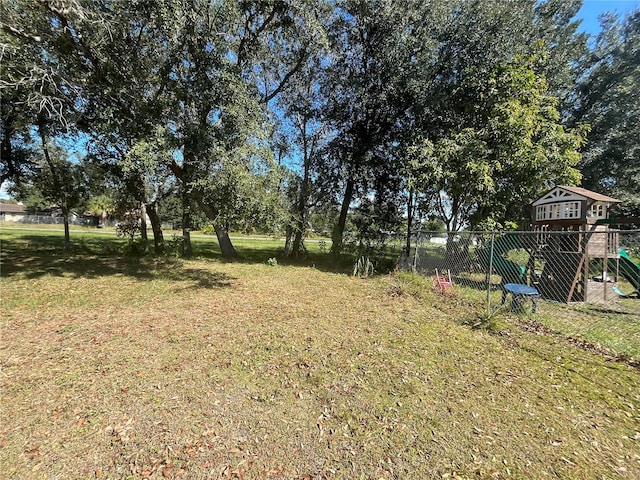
[173, 247]
[363, 267]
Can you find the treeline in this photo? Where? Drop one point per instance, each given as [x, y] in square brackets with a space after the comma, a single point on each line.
[344, 116]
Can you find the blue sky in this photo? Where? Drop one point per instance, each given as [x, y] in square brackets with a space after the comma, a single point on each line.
[591, 9]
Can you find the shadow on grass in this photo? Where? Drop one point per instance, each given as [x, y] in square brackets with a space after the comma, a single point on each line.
[259, 251]
[616, 309]
[95, 254]
[34, 256]
[143, 269]
[475, 284]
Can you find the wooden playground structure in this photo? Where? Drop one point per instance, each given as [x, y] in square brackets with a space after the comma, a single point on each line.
[583, 263]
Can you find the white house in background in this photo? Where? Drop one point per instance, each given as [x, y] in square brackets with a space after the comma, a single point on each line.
[12, 212]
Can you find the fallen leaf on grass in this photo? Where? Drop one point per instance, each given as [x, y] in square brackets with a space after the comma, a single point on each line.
[34, 451]
[167, 471]
[238, 473]
[277, 471]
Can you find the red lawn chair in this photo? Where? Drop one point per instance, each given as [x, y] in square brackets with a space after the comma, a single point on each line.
[443, 281]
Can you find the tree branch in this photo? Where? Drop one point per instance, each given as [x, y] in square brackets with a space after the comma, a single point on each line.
[20, 33]
[288, 75]
[253, 35]
[76, 38]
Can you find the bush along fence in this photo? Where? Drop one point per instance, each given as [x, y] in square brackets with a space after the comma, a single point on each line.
[592, 267]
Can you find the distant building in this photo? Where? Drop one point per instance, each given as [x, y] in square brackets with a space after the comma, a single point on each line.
[12, 212]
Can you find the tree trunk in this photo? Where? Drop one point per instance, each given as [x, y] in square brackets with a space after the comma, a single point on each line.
[301, 218]
[186, 225]
[226, 247]
[298, 231]
[56, 183]
[298, 241]
[301, 221]
[409, 223]
[143, 226]
[158, 237]
[338, 231]
[65, 219]
[287, 242]
[6, 151]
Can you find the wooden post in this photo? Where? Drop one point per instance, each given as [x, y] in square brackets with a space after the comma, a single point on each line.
[605, 264]
[585, 274]
[583, 259]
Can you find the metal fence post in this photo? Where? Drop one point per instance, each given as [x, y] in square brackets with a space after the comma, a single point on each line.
[414, 264]
[493, 234]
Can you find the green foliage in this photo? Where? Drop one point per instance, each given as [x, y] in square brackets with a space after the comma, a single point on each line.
[513, 149]
[487, 321]
[372, 223]
[42, 186]
[32, 198]
[608, 101]
[174, 246]
[129, 228]
[101, 205]
[461, 104]
[272, 262]
[491, 225]
[434, 225]
[363, 267]
[208, 229]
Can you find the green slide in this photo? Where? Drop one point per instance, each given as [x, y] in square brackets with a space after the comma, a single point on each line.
[510, 272]
[629, 269]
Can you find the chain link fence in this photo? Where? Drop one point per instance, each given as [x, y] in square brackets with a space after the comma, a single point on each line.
[581, 283]
[55, 220]
[567, 267]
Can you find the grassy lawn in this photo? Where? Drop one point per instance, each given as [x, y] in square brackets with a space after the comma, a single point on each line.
[125, 367]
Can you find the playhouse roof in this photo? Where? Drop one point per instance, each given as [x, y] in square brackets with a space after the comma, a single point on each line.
[565, 192]
[598, 197]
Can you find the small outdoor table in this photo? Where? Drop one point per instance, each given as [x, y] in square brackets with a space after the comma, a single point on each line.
[519, 294]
